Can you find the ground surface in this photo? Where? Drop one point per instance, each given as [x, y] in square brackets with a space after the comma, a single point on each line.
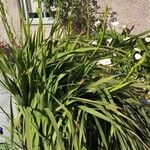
[4, 103]
[130, 12]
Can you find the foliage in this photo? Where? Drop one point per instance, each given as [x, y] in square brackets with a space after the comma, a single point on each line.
[81, 19]
[66, 99]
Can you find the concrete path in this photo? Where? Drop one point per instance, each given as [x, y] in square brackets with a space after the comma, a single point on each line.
[130, 12]
[4, 120]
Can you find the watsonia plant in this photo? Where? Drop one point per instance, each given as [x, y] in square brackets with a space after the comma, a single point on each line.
[65, 99]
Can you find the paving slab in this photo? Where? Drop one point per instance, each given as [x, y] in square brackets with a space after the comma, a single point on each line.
[130, 12]
[4, 120]
[4, 103]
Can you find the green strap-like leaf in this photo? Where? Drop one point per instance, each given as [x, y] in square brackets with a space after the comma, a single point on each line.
[53, 120]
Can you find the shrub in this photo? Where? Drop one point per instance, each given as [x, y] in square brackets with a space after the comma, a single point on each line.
[75, 91]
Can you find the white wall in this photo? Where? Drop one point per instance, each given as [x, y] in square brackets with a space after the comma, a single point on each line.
[11, 7]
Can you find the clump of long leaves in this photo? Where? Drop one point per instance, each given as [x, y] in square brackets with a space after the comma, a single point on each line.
[66, 100]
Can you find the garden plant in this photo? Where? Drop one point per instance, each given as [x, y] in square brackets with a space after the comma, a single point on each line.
[83, 89]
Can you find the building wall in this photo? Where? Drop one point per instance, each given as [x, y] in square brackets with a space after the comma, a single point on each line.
[13, 15]
[12, 7]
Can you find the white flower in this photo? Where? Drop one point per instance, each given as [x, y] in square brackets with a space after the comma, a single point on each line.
[53, 8]
[137, 49]
[115, 23]
[104, 62]
[147, 39]
[109, 40]
[124, 26]
[97, 23]
[126, 38]
[69, 13]
[114, 54]
[137, 56]
[93, 42]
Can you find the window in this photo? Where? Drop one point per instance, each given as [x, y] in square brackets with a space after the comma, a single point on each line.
[30, 10]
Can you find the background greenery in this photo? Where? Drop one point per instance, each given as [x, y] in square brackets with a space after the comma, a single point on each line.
[66, 99]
